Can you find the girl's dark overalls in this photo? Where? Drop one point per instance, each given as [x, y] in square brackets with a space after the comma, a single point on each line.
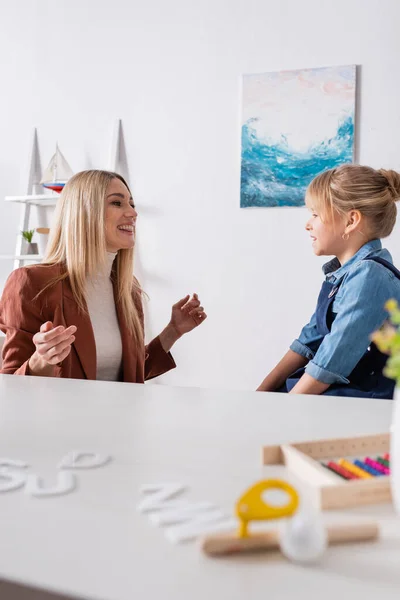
[366, 379]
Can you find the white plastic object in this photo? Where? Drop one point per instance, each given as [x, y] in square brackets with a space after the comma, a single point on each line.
[151, 488]
[303, 538]
[14, 463]
[395, 451]
[160, 494]
[210, 522]
[66, 483]
[11, 480]
[83, 460]
[172, 516]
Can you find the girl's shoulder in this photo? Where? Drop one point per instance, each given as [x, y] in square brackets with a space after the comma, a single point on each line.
[378, 276]
[379, 265]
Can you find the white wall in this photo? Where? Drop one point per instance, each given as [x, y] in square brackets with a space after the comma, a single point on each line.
[171, 71]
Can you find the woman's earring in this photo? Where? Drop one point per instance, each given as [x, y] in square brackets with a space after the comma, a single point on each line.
[345, 236]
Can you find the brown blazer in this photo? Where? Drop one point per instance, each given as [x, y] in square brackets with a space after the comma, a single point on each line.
[21, 315]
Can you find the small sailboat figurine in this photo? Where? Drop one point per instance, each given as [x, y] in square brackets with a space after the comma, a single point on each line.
[57, 173]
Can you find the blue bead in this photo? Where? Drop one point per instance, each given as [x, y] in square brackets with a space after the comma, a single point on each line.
[367, 468]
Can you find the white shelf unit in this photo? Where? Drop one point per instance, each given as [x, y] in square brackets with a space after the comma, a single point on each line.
[33, 198]
[22, 257]
[27, 201]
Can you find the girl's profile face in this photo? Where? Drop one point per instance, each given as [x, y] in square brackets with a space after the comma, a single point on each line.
[325, 234]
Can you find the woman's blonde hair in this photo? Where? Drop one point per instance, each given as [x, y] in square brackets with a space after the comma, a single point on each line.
[78, 242]
[354, 187]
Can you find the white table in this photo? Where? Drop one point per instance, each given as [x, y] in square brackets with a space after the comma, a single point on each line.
[93, 544]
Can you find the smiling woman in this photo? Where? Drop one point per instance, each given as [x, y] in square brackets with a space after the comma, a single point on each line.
[79, 314]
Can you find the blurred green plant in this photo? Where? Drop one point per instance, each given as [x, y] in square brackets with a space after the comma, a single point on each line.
[28, 235]
[387, 339]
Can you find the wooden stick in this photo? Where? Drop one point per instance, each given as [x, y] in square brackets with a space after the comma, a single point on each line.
[228, 543]
[43, 229]
[341, 533]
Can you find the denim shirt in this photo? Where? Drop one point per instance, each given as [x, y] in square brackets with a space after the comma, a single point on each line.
[359, 306]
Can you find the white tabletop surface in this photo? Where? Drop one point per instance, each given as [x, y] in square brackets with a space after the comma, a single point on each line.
[94, 544]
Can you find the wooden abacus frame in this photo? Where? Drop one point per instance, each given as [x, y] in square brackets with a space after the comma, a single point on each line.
[331, 492]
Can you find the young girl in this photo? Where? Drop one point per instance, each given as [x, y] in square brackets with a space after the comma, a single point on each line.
[352, 207]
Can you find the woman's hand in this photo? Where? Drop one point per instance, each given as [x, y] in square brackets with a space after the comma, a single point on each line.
[187, 314]
[53, 344]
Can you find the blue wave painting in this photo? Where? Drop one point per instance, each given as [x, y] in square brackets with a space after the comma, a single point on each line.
[285, 146]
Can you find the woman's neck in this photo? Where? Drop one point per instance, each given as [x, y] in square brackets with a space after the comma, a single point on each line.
[104, 272]
[110, 260]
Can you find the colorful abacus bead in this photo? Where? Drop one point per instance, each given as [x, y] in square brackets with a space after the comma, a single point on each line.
[353, 469]
[332, 466]
[368, 468]
[375, 465]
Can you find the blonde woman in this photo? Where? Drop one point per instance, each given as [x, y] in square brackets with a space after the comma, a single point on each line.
[79, 314]
[352, 208]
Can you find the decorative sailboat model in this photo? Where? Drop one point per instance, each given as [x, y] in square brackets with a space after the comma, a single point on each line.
[57, 173]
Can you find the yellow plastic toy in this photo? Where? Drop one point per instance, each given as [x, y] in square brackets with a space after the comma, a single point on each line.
[251, 506]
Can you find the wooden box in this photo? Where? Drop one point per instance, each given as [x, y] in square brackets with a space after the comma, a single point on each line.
[330, 490]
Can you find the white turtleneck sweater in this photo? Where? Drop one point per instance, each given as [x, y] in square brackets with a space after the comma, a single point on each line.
[103, 315]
